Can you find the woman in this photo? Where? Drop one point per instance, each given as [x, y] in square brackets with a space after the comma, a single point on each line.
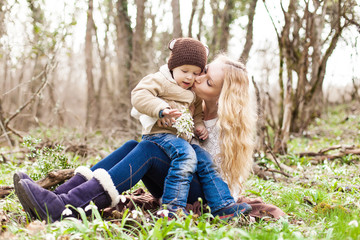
[229, 116]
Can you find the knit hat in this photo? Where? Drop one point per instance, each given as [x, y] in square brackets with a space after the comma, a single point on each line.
[187, 51]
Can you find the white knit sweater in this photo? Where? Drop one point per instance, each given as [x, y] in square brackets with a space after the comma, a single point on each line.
[211, 144]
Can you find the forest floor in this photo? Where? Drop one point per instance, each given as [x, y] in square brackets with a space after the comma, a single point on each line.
[320, 197]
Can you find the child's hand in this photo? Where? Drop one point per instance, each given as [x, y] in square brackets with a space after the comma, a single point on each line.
[201, 132]
[169, 117]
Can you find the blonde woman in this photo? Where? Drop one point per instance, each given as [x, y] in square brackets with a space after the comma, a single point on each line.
[229, 116]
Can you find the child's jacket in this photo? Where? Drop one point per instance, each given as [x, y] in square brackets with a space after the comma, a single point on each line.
[158, 91]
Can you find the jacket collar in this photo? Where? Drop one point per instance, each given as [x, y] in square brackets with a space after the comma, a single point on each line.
[164, 69]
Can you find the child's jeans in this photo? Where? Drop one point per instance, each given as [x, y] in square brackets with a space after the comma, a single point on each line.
[183, 165]
[146, 161]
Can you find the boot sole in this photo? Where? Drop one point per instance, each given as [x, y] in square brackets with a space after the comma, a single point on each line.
[16, 179]
[243, 211]
[26, 195]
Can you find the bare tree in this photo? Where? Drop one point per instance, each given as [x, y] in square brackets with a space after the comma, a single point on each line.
[120, 88]
[138, 43]
[223, 14]
[37, 15]
[191, 21]
[249, 31]
[177, 30]
[90, 103]
[201, 15]
[2, 31]
[305, 56]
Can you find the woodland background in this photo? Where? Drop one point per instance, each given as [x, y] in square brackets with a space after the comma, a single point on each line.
[67, 69]
[54, 73]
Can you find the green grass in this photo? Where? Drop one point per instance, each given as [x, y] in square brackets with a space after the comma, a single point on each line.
[321, 201]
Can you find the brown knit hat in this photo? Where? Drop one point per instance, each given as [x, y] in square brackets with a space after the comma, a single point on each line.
[187, 51]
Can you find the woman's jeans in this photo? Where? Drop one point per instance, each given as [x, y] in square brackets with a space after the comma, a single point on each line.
[182, 167]
[147, 162]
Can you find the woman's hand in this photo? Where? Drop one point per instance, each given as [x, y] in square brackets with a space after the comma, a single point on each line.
[169, 117]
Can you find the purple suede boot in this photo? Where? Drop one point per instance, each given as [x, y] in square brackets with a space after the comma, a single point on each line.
[81, 175]
[49, 206]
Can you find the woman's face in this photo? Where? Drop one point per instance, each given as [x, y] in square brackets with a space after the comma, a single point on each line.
[208, 85]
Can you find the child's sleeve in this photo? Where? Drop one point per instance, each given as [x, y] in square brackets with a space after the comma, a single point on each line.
[144, 97]
[198, 113]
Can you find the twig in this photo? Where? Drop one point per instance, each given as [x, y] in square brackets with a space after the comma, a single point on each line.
[277, 171]
[14, 132]
[5, 133]
[273, 155]
[32, 98]
[324, 150]
[3, 157]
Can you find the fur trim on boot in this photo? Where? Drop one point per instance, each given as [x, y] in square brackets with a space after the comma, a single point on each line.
[107, 183]
[85, 172]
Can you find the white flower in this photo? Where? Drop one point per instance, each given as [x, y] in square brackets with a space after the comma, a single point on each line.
[90, 207]
[354, 223]
[135, 213]
[163, 212]
[66, 212]
[122, 198]
[185, 124]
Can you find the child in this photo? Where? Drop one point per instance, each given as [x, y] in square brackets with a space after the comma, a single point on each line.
[161, 96]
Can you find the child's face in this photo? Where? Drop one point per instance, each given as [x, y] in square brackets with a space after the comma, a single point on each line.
[185, 75]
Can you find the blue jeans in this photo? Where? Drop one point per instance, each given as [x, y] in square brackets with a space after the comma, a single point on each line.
[183, 166]
[147, 162]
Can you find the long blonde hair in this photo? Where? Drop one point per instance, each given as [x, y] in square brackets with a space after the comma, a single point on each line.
[237, 122]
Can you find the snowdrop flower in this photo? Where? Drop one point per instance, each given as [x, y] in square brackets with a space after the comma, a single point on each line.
[354, 223]
[163, 212]
[90, 207]
[66, 212]
[50, 236]
[135, 213]
[122, 198]
[185, 124]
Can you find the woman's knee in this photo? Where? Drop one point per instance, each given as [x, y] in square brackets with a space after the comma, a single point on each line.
[147, 145]
[131, 143]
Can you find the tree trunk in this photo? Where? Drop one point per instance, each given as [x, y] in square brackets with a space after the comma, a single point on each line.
[138, 43]
[193, 11]
[281, 142]
[90, 103]
[249, 32]
[2, 18]
[222, 18]
[103, 69]
[37, 15]
[215, 27]
[138, 56]
[177, 30]
[120, 88]
[201, 15]
[2, 32]
[226, 20]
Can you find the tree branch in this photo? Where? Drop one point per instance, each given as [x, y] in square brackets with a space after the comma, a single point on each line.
[48, 67]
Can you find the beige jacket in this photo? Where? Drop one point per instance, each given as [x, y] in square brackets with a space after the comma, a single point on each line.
[158, 91]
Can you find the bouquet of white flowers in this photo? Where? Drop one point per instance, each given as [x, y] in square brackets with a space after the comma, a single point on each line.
[185, 124]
